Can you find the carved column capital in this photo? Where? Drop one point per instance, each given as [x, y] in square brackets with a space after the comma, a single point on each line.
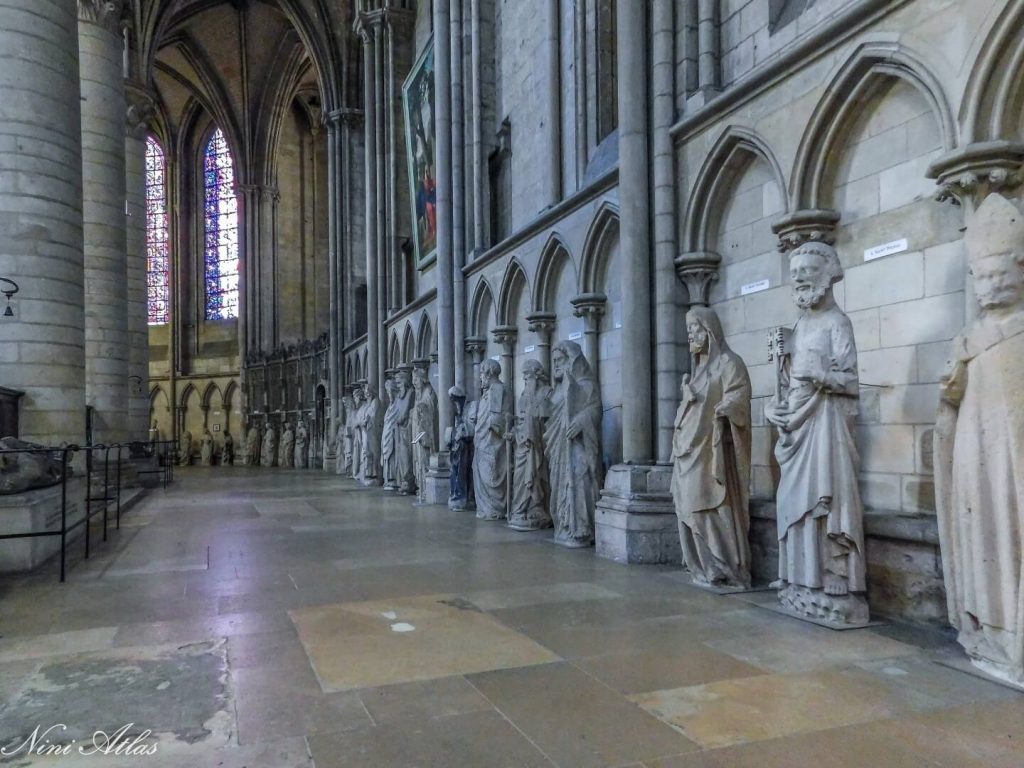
[347, 116]
[141, 108]
[589, 306]
[969, 174]
[505, 335]
[476, 346]
[421, 363]
[806, 226]
[541, 323]
[697, 270]
[103, 13]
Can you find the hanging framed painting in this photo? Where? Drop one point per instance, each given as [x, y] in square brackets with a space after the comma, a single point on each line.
[421, 151]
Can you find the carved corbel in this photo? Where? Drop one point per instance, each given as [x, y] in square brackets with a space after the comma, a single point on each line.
[103, 13]
[817, 225]
[968, 175]
[697, 270]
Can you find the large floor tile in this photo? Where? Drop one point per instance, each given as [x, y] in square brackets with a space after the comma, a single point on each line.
[574, 719]
[641, 672]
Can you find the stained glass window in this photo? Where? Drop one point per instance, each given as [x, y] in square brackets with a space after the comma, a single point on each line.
[221, 219]
[157, 261]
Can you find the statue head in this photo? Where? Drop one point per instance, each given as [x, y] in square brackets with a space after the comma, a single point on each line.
[813, 269]
[419, 380]
[567, 360]
[702, 329]
[357, 396]
[389, 388]
[534, 374]
[995, 250]
[458, 397]
[490, 371]
[403, 382]
[368, 393]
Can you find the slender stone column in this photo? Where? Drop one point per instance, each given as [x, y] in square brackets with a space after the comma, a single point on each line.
[476, 347]
[554, 97]
[506, 335]
[43, 345]
[103, 213]
[335, 290]
[708, 68]
[373, 329]
[269, 197]
[459, 235]
[543, 324]
[665, 291]
[445, 272]
[580, 33]
[634, 194]
[590, 306]
[140, 107]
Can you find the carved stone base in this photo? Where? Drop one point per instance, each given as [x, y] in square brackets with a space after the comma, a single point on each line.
[460, 505]
[840, 610]
[635, 521]
[530, 525]
[482, 515]
[436, 482]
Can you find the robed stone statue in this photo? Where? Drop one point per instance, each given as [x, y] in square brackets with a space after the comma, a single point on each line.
[460, 453]
[301, 446]
[252, 446]
[268, 456]
[711, 457]
[529, 508]
[387, 438]
[405, 478]
[286, 457]
[206, 448]
[185, 452]
[424, 429]
[227, 453]
[370, 424]
[819, 511]
[355, 429]
[979, 451]
[572, 445]
[490, 419]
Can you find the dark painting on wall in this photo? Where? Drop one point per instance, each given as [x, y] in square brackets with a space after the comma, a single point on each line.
[418, 98]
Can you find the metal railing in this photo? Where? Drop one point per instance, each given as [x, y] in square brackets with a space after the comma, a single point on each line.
[111, 496]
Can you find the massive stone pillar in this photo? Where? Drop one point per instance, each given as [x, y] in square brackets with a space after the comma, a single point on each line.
[373, 329]
[42, 345]
[140, 107]
[634, 194]
[103, 212]
[635, 521]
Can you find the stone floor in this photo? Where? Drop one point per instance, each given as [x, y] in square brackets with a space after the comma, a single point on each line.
[273, 619]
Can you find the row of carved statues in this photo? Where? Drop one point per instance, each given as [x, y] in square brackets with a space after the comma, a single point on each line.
[260, 449]
[978, 451]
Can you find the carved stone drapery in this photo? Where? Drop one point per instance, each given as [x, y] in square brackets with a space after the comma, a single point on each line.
[799, 227]
[697, 271]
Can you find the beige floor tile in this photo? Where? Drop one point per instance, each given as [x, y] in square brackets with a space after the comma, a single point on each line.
[574, 719]
[478, 739]
[424, 699]
[750, 709]
[642, 672]
[359, 645]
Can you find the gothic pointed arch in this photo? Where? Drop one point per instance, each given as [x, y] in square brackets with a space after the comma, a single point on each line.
[870, 67]
[408, 343]
[731, 154]
[994, 108]
[211, 391]
[513, 281]
[426, 342]
[554, 257]
[290, 66]
[481, 312]
[228, 397]
[186, 393]
[604, 230]
[394, 350]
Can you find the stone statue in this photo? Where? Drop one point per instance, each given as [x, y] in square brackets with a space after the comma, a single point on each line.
[369, 470]
[530, 491]
[405, 478]
[269, 447]
[711, 457]
[185, 453]
[301, 454]
[460, 453]
[25, 471]
[490, 419]
[979, 451]
[206, 448]
[424, 428]
[252, 447]
[387, 439]
[286, 454]
[819, 512]
[572, 444]
[355, 463]
[227, 454]
[347, 435]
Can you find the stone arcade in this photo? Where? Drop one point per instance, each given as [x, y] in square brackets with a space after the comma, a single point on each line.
[466, 278]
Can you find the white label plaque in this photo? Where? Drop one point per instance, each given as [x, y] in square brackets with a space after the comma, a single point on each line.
[896, 246]
[575, 335]
[496, 358]
[529, 349]
[760, 285]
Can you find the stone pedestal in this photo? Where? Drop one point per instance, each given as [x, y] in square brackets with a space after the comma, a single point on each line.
[635, 521]
[37, 510]
[437, 488]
